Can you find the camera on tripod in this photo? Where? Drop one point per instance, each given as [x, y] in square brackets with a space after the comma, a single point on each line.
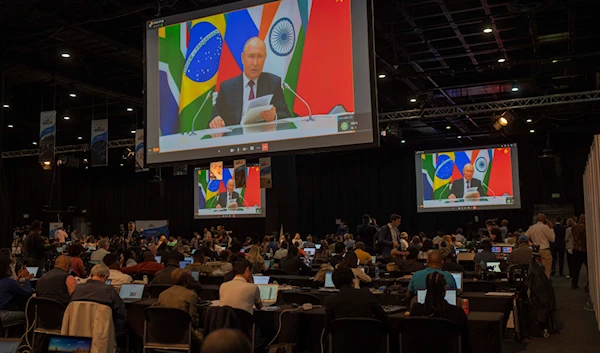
[536, 250]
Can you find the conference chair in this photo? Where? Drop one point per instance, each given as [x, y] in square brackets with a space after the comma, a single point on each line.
[300, 298]
[167, 329]
[341, 331]
[89, 319]
[416, 335]
[479, 286]
[219, 317]
[45, 317]
[156, 289]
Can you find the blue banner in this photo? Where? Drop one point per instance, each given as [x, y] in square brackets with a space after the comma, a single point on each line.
[99, 143]
[47, 136]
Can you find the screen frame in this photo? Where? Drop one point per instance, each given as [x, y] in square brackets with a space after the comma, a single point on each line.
[515, 177]
[238, 5]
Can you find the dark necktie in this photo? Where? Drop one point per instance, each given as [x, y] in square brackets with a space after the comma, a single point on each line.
[251, 96]
[468, 184]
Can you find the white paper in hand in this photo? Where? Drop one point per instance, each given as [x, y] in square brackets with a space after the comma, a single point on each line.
[255, 107]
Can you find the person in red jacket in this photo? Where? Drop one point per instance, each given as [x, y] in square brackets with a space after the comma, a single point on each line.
[149, 266]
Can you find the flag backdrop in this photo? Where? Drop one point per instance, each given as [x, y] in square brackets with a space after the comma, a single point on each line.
[492, 166]
[209, 190]
[195, 57]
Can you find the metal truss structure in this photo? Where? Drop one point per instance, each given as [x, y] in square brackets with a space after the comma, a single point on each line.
[518, 103]
[68, 149]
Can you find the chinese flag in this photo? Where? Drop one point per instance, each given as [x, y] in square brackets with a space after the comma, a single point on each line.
[325, 78]
[501, 173]
[252, 192]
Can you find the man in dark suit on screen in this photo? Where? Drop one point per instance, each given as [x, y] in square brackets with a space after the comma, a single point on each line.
[459, 187]
[225, 197]
[235, 94]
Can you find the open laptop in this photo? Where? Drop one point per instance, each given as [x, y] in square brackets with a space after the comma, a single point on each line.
[196, 275]
[268, 264]
[261, 279]
[67, 344]
[495, 266]
[158, 259]
[329, 286]
[189, 259]
[268, 293]
[33, 271]
[317, 246]
[182, 264]
[131, 293]
[458, 278]
[450, 296]
[374, 259]
[9, 345]
[310, 251]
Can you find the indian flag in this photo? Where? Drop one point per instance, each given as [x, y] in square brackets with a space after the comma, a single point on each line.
[482, 162]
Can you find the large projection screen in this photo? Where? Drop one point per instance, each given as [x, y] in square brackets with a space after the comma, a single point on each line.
[477, 178]
[223, 198]
[256, 77]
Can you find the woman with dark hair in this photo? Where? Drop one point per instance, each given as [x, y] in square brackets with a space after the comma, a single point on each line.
[351, 261]
[426, 249]
[322, 253]
[436, 306]
[75, 251]
[292, 264]
[129, 258]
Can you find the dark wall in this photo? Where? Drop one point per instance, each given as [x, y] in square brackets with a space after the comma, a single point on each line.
[310, 191]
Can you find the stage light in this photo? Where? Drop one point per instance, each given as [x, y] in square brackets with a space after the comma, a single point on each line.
[529, 120]
[47, 163]
[85, 160]
[515, 89]
[503, 120]
[129, 109]
[448, 127]
[487, 30]
[72, 95]
[413, 100]
[65, 55]
[5, 105]
[11, 126]
[403, 141]
[382, 76]
[133, 131]
[501, 60]
[79, 138]
[531, 131]
[34, 143]
[67, 117]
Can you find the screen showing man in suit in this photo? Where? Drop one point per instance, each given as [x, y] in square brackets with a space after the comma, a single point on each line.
[221, 198]
[468, 179]
[278, 76]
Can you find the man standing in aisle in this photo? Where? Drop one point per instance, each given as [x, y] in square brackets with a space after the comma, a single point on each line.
[542, 234]
[579, 251]
[389, 236]
[558, 247]
[131, 233]
[366, 231]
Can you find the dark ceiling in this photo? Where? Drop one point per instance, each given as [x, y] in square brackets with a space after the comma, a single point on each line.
[434, 51]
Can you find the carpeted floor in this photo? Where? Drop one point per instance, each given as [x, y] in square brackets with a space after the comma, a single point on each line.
[580, 333]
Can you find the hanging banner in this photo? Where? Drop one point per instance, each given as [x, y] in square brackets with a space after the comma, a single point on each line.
[139, 151]
[53, 227]
[239, 170]
[47, 135]
[153, 228]
[266, 181]
[216, 171]
[99, 143]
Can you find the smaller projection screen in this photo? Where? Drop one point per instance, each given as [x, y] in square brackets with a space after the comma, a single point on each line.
[260, 76]
[468, 179]
[221, 198]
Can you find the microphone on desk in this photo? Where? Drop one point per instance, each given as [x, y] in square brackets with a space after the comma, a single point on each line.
[490, 189]
[208, 95]
[285, 85]
[444, 189]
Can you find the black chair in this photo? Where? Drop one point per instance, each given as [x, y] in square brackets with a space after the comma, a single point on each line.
[300, 298]
[340, 329]
[415, 335]
[46, 316]
[156, 289]
[275, 272]
[479, 286]
[167, 329]
[219, 317]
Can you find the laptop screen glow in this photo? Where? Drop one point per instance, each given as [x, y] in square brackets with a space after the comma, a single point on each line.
[450, 296]
[261, 279]
[268, 292]
[329, 280]
[310, 251]
[495, 266]
[458, 279]
[33, 270]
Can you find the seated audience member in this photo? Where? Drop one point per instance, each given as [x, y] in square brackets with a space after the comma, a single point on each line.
[361, 254]
[436, 306]
[434, 264]
[272, 246]
[6, 252]
[426, 249]
[511, 238]
[163, 277]
[349, 241]
[415, 243]
[96, 290]
[226, 341]
[350, 302]
[323, 253]
[75, 251]
[13, 293]
[182, 298]
[410, 264]
[102, 251]
[292, 264]
[257, 261]
[148, 266]
[309, 242]
[403, 241]
[223, 267]
[340, 250]
[523, 254]
[460, 237]
[199, 264]
[129, 258]
[351, 261]
[486, 255]
[57, 284]
[117, 278]
[282, 252]
[495, 235]
[449, 257]
[240, 292]
[439, 237]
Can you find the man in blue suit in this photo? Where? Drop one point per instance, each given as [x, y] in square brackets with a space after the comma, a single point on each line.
[235, 93]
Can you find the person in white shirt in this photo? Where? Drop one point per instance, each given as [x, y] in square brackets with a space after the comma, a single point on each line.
[60, 235]
[240, 292]
[403, 241]
[102, 251]
[542, 234]
[460, 237]
[282, 252]
[117, 278]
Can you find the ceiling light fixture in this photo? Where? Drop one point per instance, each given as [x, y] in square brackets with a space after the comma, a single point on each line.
[47, 163]
[65, 55]
[72, 95]
[129, 109]
[413, 100]
[79, 138]
[531, 131]
[34, 143]
[85, 160]
[448, 127]
[381, 75]
[459, 137]
[487, 30]
[403, 141]
[515, 89]
[554, 61]
[503, 120]
[5, 105]
[501, 60]
[67, 117]
[121, 164]
[10, 126]
[529, 120]
[133, 131]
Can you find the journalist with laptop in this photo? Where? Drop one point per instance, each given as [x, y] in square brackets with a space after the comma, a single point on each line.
[434, 264]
